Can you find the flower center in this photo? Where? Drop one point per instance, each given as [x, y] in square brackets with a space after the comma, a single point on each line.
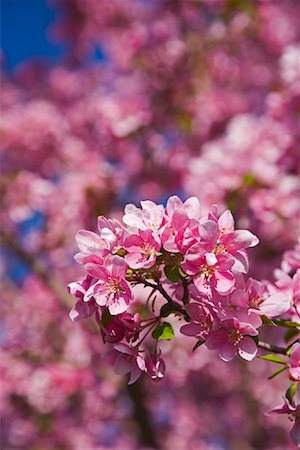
[219, 248]
[147, 248]
[235, 336]
[114, 286]
[207, 271]
[255, 302]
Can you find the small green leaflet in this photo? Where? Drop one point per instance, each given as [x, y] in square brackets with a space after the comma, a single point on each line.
[163, 331]
[172, 273]
[291, 392]
[274, 358]
[201, 342]
[282, 369]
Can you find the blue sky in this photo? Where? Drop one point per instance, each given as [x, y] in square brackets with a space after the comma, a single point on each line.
[24, 31]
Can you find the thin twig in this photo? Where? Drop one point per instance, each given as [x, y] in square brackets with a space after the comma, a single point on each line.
[272, 348]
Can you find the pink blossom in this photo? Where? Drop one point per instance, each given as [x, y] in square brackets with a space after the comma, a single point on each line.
[155, 367]
[201, 321]
[292, 408]
[142, 249]
[123, 325]
[294, 369]
[258, 299]
[94, 247]
[82, 309]
[232, 337]
[111, 289]
[90, 245]
[128, 360]
[180, 230]
[150, 216]
[210, 271]
[219, 236]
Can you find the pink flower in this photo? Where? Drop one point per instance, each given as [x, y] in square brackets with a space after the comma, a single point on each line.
[150, 216]
[292, 408]
[290, 287]
[90, 245]
[112, 232]
[123, 325]
[142, 249]
[82, 309]
[178, 222]
[94, 247]
[232, 337]
[259, 300]
[211, 271]
[201, 321]
[128, 360]
[155, 367]
[294, 369]
[111, 289]
[181, 229]
[218, 236]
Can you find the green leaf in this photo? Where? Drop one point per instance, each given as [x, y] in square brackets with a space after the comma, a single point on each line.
[290, 334]
[286, 323]
[163, 331]
[273, 358]
[166, 310]
[267, 321]
[172, 273]
[198, 344]
[182, 272]
[274, 374]
[291, 392]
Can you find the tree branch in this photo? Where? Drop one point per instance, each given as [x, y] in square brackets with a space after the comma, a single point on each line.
[272, 348]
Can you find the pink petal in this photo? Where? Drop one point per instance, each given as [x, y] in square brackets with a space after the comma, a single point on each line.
[241, 263]
[135, 260]
[226, 221]
[81, 310]
[211, 259]
[223, 282]
[295, 354]
[122, 364]
[216, 339]
[97, 271]
[194, 310]
[101, 294]
[174, 203]
[119, 267]
[295, 373]
[202, 285]
[88, 240]
[209, 232]
[117, 304]
[247, 329]
[192, 208]
[247, 349]
[191, 329]
[275, 305]
[228, 352]
[133, 241]
[295, 433]
[108, 236]
[239, 239]
[123, 348]
[134, 375]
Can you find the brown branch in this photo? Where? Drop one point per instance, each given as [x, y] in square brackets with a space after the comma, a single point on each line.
[272, 348]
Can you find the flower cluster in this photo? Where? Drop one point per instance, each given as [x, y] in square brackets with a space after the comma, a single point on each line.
[195, 263]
